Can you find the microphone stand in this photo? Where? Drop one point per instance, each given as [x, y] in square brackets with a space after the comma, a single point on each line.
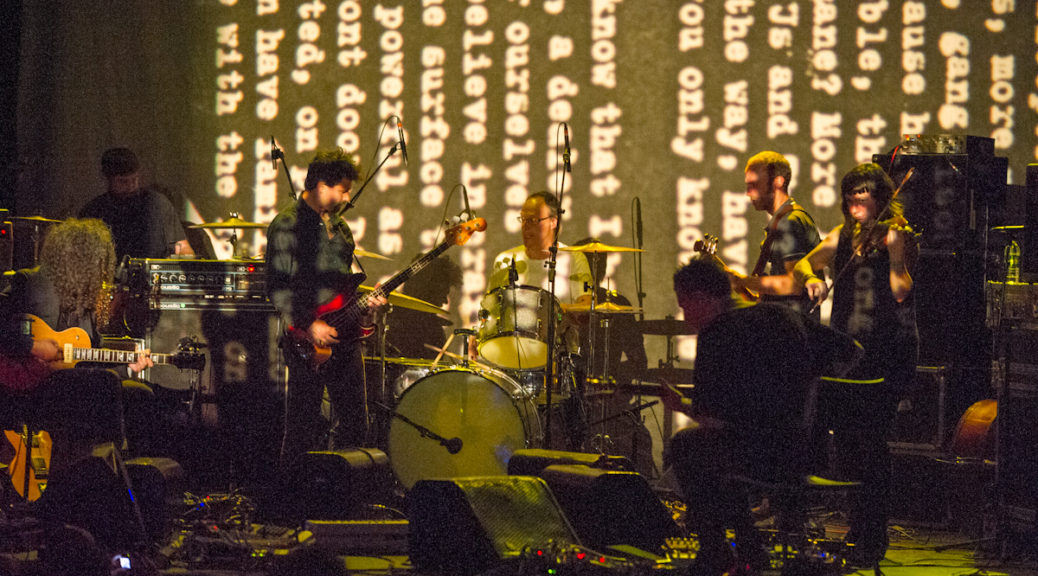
[277, 154]
[453, 445]
[549, 371]
[353, 199]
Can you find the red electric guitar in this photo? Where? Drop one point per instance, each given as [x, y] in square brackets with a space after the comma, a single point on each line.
[344, 312]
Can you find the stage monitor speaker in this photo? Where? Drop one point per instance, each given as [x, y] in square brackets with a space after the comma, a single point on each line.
[466, 526]
[158, 483]
[610, 508]
[243, 378]
[334, 485]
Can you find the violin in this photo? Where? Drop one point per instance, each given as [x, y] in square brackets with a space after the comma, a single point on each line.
[872, 238]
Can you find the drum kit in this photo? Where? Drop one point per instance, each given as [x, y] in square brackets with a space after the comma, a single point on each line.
[481, 412]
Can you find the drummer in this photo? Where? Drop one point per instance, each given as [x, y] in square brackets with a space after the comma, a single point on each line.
[526, 265]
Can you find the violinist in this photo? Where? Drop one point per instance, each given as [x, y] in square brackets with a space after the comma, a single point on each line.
[870, 256]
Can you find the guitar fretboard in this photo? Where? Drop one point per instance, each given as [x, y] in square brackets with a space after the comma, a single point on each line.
[108, 355]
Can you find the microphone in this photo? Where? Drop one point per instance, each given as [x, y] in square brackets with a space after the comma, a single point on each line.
[273, 154]
[465, 195]
[513, 274]
[400, 135]
[565, 151]
[452, 445]
[638, 220]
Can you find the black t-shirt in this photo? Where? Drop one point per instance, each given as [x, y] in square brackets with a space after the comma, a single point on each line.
[755, 368]
[144, 224]
[795, 236]
[306, 268]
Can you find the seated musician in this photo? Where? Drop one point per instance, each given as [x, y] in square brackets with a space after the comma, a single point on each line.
[754, 371]
[309, 272]
[527, 264]
[68, 290]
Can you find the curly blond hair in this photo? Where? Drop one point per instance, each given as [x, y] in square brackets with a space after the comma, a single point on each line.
[78, 257]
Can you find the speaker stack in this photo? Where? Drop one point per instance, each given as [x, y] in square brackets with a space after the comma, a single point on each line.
[221, 307]
[953, 198]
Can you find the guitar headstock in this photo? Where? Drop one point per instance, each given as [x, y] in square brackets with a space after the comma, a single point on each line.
[458, 235]
[708, 245]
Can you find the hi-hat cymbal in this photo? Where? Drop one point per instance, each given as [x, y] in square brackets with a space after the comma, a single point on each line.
[601, 308]
[405, 301]
[1007, 228]
[232, 222]
[599, 247]
[37, 219]
[664, 327]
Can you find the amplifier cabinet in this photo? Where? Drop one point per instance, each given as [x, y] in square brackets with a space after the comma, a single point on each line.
[923, 426]
[1016, 301]
[243, 377]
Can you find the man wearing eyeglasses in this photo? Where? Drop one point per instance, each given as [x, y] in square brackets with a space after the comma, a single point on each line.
[539, 217]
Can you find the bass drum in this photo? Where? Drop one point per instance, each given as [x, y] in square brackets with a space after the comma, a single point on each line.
[487, 411]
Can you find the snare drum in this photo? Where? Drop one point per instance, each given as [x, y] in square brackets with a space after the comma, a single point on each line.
[513, 330]
[486, 410]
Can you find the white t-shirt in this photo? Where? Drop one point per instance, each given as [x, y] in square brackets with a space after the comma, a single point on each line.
[572, 274]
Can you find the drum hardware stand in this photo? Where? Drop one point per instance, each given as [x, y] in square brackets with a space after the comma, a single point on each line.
[382, 328]
[466, 333]
[553, 256]
[453, 445]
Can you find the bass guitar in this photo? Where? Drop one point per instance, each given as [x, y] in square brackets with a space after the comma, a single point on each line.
[707, 247]
[344, 312]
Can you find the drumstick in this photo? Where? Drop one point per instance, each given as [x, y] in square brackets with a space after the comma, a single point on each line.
[446, 345]
[458, 357]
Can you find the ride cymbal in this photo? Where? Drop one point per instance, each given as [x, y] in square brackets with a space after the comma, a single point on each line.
[598, 247]
[601, 308]
[405, 301]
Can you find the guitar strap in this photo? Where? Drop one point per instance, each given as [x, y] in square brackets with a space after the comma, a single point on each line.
[769, 236]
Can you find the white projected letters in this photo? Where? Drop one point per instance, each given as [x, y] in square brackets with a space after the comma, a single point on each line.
[434, 130]
[348, 35]
[1003, 71]
[227, 159]
[267, 63]
[227, 95]
[309, 31]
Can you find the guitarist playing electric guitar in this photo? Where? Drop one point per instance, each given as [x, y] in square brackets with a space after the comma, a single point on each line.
[790, 235]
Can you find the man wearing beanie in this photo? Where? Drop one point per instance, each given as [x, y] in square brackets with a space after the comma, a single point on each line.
[143, 222]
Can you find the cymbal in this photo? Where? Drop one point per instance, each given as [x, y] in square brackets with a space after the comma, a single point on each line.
[362, 253]
[599, 247]
[664, 327]
[37, 219]
[1007, 228]
[601, 308]
[232, 222]
[405, 301]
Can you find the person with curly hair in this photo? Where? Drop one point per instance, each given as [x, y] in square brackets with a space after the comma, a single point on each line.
[76, 266]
